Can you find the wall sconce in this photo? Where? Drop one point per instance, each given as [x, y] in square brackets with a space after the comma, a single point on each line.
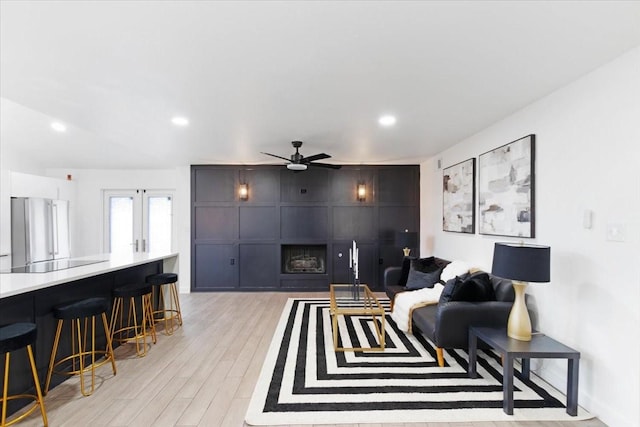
[362, 192]
[243, 192]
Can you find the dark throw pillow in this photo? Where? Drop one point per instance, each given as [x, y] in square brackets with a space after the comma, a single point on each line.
[474, 287]
[449, 287]
[425, 265]
[404, 273]
[419, 279]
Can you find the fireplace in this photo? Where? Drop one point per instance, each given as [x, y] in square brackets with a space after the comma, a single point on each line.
[304, 259]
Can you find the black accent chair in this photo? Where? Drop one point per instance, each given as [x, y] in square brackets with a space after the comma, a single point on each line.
[446, 324]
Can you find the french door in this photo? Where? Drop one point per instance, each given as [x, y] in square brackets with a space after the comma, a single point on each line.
[138, 221]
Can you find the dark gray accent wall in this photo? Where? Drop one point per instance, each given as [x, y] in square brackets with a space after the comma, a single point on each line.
[236, 244]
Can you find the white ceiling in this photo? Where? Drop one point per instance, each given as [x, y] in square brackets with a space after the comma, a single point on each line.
[252, 76]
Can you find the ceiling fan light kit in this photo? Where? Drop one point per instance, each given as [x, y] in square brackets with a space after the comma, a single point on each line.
[297, 166]
[298, 162]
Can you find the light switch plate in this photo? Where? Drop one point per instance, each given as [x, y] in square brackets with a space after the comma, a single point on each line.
[587, 219]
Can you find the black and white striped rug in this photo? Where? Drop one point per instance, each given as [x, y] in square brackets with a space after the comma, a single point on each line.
[303, 381]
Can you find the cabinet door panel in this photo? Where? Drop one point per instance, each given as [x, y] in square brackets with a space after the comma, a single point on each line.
[258, 222]
[215, 185]
[303, 222]
[391, 256]
[220, 223]
[341, 273]
[344, 185]
[367, 268]
[216, 266]
[264, 184]
[354, 222]
[308, 186]
[396, 218]
[399, 185]
[259, 266]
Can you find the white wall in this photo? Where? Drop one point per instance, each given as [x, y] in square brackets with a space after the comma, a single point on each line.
[16, 184]
[91, 183]
[587, 158]
[28, 185]
[183, 221]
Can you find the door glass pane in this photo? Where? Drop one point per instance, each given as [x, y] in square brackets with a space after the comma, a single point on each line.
[121, 224]
[159, 221]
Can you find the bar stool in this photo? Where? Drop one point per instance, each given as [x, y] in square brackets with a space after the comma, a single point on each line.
[14, 337]
[135, 327]
[77, 311]
[168, 300]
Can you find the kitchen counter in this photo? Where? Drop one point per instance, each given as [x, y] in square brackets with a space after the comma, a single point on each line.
[31, 297]
[12, 284]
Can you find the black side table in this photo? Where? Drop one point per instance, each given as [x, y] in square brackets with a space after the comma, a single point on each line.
[540, 347]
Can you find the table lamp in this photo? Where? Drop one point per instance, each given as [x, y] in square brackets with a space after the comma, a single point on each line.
[521, 264]
[406, 240]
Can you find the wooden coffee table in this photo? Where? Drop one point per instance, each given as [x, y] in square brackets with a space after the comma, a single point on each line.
[355, 300]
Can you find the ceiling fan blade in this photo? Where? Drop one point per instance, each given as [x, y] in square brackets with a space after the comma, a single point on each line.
[273, 155]
[315, 157]
[325, 165]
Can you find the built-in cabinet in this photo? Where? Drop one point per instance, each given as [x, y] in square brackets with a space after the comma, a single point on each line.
[242, 244]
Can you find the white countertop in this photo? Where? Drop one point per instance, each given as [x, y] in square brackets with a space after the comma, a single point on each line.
[19, 283]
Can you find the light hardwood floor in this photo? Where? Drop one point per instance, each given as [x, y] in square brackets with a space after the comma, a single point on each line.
[202, 375]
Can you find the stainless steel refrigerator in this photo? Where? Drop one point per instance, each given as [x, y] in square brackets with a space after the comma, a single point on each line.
[39, 230]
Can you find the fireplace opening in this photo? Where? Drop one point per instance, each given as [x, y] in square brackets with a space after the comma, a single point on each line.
[304, 259]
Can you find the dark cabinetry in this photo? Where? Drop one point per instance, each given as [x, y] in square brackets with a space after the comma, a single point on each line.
[345, 181]
[258, 222]
[215, 266]
[354, 222]
[367, 257]
[213, 184]
[391, 218]
[37, 307]
[310, 186]
[264, 184]
[237, 244]
[304, 222]
[259, 262]
[216, 223]
[392, 182]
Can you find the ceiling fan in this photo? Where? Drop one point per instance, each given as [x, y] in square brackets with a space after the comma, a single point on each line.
[298, 162]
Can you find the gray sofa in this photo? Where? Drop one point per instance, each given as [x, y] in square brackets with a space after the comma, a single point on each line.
[446, 324]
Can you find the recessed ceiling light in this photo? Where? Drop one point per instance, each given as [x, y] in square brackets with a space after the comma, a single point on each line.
[180, 121]
[387, 120]
[58, 127]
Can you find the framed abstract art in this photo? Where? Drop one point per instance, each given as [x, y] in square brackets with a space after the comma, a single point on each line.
[459, 197]
[506, 189]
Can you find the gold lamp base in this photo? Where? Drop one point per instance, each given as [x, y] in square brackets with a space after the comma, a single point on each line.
[406, 251]
[519, 324]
